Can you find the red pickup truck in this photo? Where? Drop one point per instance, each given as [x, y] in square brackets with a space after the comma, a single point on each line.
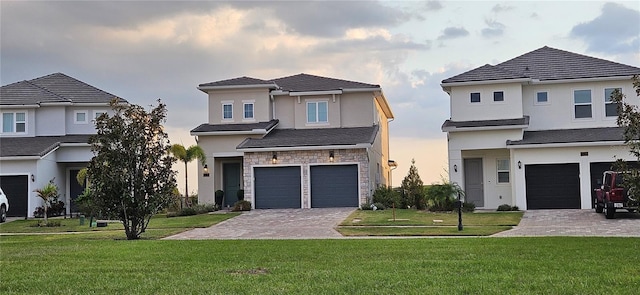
[612, 195]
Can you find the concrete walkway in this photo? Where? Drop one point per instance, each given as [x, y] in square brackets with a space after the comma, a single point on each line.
[316, 223]
[574, 222]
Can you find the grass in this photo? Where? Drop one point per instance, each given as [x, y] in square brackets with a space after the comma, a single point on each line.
[421, 223]
[159, 226]
[74, 264]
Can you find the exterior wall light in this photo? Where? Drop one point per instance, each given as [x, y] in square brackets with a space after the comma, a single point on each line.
[455, 168]
[33, 178]
[331, 156]
[274, 158]
[519, 165]
[205, 171]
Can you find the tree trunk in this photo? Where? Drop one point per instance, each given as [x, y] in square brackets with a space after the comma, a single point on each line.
[45, 212]
[186, 186]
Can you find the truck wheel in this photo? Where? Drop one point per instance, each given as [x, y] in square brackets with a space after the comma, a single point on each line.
[599, 208]
[610, 211]
[3, 214]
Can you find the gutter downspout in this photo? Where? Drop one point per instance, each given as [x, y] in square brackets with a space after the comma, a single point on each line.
[273, 106]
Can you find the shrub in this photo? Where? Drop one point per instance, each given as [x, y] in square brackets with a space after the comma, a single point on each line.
[193, 200]
[379, 206]
[366, 206]
[507, 207]
[242, 205]
[442, 197]
[187, 211]
[240, 194]
[468, 207]
[219, 196]
[386, 196]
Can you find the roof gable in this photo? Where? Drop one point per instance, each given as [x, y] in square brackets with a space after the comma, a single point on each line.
[547, 64]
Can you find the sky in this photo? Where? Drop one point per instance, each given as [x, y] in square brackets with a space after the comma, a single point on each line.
[148, 50]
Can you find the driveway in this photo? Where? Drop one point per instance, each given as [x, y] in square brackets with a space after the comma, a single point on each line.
[574, 222]
[316, 223]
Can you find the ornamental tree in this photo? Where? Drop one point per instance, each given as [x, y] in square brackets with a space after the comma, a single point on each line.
[413, 188]
[629, 120]
[130, 175]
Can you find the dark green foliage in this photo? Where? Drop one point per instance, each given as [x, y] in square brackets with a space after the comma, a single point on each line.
[507, 207]
[241, 205]
[386, 196]
[412, 191]
[366, 206]
[54, 208]
[629, 119]
[187, 155]
[442, 197]
[470, 207]
[379, 206]
[131, 176]
[219, 195]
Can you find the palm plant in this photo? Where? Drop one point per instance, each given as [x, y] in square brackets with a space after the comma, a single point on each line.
[47, 193]
[187, 155]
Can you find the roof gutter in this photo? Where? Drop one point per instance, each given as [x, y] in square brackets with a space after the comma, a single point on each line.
[306, 148]
[19, 106]
[565, 144]
[595, 79]
[483, 128]
[484, 82]
[250, 132]
[18, 158]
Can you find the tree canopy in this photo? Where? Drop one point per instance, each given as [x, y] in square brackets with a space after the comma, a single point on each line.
[130, 176]
[187, 155]
[629, 119]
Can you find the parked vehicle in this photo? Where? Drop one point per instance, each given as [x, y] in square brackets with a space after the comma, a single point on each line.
[4, 206]
[613, 195]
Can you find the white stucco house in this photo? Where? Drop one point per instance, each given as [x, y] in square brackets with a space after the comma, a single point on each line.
[44, 132]
[301, 141]
[536, 131]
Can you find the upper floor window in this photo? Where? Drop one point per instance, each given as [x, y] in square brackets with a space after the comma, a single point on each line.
[97, 114]
[248, 111]
[503, 170]
[80, 117]
[542, 97]
[582, 104]
[317, 112]
[475, 97]
[498, 96]
[610, 108]
[14, 122]
[227, 111]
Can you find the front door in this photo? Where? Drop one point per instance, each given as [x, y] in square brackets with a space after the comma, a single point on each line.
[473, 185]
[231, 183]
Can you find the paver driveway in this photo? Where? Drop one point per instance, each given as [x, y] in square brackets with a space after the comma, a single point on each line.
[574, 222]
[316, 223]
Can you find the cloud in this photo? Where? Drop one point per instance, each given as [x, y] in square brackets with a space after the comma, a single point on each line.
[614, 31]
[433, 5]
[495, 29]
[500, 8]
[453, 32]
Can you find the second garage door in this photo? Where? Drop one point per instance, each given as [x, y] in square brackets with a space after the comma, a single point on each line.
[277, 187]
[553, 186]
[334, 186]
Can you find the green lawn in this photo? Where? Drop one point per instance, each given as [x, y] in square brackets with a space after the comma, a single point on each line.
[410, 222]
[75, 264]
[159, 225]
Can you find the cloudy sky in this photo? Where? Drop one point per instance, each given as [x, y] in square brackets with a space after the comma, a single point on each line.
[145, 50]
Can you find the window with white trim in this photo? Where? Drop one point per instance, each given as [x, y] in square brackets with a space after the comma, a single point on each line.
[542, 97]
[582, 104]
[227, 111]
[503, 170]
[248, 110]
[80, 117]
[98, 114]
[14, 122]
[317, 112]
[610, 107]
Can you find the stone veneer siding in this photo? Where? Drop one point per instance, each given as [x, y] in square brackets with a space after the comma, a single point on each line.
[304, 159]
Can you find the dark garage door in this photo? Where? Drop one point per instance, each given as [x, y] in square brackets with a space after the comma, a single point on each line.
[17, 190]
[553, 186]
[277, 187]
[334, 186]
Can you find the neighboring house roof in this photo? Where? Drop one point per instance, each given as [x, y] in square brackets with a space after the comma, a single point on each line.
[603, 134]
[453, 125]
[547, 64]
[295, 83]
[36, 146]
[236, 128]
[287, 138]
[54, 88]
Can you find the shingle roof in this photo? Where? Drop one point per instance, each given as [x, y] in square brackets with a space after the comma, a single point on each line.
[570, 136]
[306, 82]
[295, 83]
[36, 146]
[238, 82]
[486, 123]
[547, 64]
[313, 137]
[235, 127]
[56, 87]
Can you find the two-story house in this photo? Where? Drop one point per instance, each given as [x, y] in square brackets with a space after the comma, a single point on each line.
[536, 131]
[301, 141]
[44, 132]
